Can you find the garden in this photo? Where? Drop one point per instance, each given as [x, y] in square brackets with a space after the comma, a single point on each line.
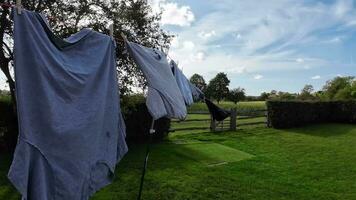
[254, 162]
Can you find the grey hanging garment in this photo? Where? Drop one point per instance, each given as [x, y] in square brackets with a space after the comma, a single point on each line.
[71, 132]
[197, 94]
[183, 84]
[163, 98]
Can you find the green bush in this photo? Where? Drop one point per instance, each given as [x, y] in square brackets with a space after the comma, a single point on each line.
[8, 125]
[138, 120]
[288, 114]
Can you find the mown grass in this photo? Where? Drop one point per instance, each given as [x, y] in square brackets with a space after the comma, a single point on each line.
[313, 162]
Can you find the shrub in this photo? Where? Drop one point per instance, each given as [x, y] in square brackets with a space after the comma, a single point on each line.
[8, 125]
[287, 114]
[138, 120]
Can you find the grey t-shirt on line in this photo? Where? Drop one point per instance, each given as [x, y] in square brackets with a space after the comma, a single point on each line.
[71, 132]
[164, 98]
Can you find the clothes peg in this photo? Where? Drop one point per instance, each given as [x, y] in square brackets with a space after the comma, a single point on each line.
[111, 30]
[18, 6]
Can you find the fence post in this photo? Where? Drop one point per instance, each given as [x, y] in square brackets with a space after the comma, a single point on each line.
[268, 125]
[233, 119]
[212, 124]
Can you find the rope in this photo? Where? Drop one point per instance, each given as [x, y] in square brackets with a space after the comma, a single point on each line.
[146, 160]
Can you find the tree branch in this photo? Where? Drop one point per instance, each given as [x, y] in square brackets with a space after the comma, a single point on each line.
[8, 50]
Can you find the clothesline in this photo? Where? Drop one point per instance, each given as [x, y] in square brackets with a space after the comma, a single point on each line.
[167, 98]
[9, 5]
[6, 5]
[19, 7]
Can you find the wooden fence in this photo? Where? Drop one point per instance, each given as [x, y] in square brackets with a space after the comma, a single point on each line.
[229, 124]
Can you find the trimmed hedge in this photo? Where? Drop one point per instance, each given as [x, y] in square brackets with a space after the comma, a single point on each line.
[138, 124]
[288, 114]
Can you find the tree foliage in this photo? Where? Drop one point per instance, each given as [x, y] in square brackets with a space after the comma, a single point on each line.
[218, 87]
[274, 95]
[307, 93]
[134, 18]
[236, 95]
[340, 88]
[198, 81]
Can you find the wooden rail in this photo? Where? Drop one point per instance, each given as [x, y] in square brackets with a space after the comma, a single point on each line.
[228, 124]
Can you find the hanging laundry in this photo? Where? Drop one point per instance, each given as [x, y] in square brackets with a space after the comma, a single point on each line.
[217, 113]
[183, 84]
[197, 94]
[164, 98]
[71, 132]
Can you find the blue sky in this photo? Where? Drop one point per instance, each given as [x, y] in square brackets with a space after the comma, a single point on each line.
[263, 45]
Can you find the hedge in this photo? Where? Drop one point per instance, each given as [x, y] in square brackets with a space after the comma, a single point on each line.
[138, 120]
[136, 116]
[288, 114]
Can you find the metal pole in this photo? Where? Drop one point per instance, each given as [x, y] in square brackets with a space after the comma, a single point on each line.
[151, 132]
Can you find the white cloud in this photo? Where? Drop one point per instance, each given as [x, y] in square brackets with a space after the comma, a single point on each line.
[188, 45]
[237, 70]
[316, 77]
[271, 38]
[342, 7]
[299, 60]
[257, 77]
[172, 13]
[238, 36]
[351, 23]
[200, 56]
[333, 40]
[206, 35]
[175, 42]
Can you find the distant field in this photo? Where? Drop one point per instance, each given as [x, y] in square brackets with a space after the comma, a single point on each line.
[248, 105]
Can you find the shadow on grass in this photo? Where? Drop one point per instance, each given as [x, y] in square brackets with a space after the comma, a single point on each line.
[7, 191]
[324, 130]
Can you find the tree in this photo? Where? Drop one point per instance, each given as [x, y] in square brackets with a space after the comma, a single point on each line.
[307, 93]
[134, 18]
[237, 94]
[264, 96]
[198, 81]
[286, 96]
[340, 88]
[218, 87]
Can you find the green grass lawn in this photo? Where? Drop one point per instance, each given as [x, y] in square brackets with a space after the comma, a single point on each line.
[314, 162]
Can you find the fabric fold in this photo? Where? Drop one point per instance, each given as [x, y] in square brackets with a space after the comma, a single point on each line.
[183, 84]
